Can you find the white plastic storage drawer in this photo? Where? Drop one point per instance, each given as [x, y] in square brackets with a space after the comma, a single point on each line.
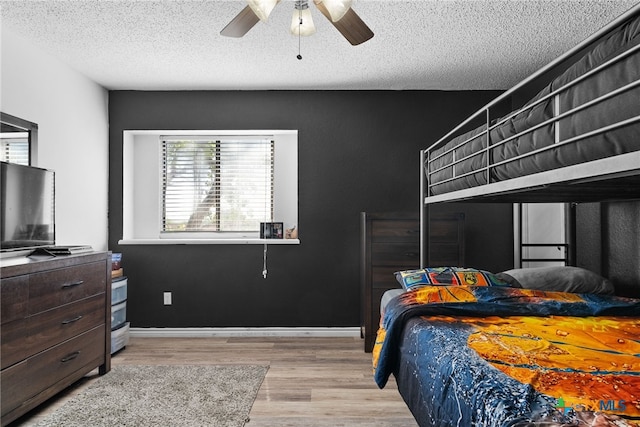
[118, 315]
[118, 290]
[120, 338]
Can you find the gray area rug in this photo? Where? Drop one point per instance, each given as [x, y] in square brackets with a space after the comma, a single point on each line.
[220, 396]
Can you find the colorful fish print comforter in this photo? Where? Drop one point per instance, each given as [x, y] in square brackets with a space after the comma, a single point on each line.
[499, 356]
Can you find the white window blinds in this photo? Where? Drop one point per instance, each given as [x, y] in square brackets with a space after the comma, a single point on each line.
[15, 149]
[216, 184]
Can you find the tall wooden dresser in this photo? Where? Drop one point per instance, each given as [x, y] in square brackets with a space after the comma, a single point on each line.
[390, 242]
[55, 326]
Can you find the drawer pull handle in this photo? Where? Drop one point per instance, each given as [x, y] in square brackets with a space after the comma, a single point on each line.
[70, 357]
[75, 319]
[72, 285]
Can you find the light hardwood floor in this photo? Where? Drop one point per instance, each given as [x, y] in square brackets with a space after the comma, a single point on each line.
[311, 382]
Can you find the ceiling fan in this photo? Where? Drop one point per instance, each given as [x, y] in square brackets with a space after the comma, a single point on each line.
[338, 12]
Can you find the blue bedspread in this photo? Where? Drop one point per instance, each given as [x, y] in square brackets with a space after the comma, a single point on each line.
[494, 356]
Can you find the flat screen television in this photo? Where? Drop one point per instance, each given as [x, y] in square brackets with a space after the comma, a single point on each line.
[27, 207]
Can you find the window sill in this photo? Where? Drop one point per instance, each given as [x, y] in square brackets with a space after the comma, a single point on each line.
[238, 241]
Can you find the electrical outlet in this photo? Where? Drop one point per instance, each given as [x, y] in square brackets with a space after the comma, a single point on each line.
[167, 298]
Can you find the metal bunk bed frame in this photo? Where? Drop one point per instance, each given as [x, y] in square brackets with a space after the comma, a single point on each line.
[606, 179]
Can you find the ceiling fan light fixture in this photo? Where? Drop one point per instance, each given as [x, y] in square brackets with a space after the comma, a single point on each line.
[337, 8]
[262, 8]
[301, 21]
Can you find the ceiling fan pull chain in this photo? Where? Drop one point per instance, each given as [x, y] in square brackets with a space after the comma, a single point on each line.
[299, 32]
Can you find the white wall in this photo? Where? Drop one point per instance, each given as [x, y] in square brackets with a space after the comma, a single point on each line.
[72, 116]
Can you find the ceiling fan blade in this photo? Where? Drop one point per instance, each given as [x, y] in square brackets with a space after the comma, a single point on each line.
[350, 25]
[241, 24]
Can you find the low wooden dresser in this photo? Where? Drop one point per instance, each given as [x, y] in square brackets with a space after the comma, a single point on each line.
[55, 326]
[390, 242]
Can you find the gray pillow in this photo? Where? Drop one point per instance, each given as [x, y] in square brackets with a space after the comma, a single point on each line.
[561, 279]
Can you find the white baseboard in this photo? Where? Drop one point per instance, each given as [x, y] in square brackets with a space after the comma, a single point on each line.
[244, 332]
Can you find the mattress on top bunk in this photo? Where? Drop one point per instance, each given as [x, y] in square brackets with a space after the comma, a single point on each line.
[471, 158]
[610, 111]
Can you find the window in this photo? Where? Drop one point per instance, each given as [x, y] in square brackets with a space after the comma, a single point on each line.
[18, 140]
[223, 185]
[182, 186]
[14, 147]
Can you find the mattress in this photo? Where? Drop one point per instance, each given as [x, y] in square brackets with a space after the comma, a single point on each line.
[387, 296]
[499, 356]
[462, 162]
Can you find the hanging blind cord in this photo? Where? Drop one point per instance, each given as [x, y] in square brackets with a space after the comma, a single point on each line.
[264, 256]
[264, 263]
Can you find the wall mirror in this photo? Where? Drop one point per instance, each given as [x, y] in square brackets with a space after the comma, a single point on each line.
[18, 140]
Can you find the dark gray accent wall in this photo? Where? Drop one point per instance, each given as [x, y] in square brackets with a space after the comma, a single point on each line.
[608, 243]
[358, 151]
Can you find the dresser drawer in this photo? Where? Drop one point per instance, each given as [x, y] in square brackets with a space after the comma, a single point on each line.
[53, 288]
[400, 255]
[26, 337]
[24, 381]
[54, 326]
[446, 255]
[13, 342]
[15, 298]
[384, 277]
[395, 231]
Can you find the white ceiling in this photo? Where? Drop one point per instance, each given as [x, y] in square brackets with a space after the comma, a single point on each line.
[418, 44]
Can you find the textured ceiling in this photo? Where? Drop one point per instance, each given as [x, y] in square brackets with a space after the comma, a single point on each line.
[418, 44]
